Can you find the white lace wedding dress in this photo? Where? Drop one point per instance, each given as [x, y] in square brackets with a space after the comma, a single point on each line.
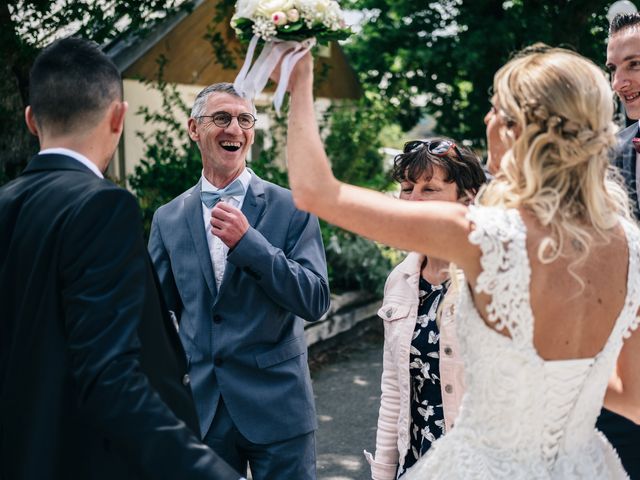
[523, 417]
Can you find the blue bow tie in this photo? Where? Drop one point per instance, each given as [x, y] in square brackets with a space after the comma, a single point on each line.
[234, 189]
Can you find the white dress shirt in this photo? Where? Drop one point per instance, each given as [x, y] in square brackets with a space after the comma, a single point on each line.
[76, 156]
[217, 249]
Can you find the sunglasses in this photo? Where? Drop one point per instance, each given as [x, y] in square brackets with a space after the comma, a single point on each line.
[439, 148]
[223, 119]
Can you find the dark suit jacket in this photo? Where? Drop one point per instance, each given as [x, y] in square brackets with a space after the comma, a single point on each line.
[89, 360]
[245, 341]
[623, 434]
[625, 160]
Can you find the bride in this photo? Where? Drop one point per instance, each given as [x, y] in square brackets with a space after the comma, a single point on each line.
[552, 267]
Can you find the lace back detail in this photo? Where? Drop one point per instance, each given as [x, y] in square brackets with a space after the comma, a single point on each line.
[506, 273]
[565, 382]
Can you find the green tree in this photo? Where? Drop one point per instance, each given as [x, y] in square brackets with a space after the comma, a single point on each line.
[439, 58]
[26, 26]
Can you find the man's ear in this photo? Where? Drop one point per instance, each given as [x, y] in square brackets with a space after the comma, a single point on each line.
[30, 120]
[117, 112]
[191, 128]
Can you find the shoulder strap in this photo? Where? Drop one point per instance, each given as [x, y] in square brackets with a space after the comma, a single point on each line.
[506, 273]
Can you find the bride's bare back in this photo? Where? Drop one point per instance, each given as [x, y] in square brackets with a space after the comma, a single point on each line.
[574, 321]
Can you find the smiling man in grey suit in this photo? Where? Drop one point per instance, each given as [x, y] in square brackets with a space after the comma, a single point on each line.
[623, 63]
[241, 267]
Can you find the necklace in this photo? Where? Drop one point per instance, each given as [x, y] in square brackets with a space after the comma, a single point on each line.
[435, 291]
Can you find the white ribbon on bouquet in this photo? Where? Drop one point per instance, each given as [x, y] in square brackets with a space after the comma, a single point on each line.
[252, 79]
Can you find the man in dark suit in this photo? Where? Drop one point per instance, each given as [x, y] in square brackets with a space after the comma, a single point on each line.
[93, 379]
[623, 62]
[241, 274]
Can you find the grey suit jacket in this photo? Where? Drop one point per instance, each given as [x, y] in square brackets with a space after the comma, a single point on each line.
[625, 160]
[246, 341]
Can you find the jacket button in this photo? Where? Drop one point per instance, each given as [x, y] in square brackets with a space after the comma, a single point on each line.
[217, 318]
[218, 362]
[448, 351]
[448, 389]
[186, 380]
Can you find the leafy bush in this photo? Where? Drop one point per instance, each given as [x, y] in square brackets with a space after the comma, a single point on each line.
[171, 162]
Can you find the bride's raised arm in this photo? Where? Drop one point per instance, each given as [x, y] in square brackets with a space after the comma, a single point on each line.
[438, 229]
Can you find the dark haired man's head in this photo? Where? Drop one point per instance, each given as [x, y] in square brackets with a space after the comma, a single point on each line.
[623, 61]
[624, 21]
[71, 85]
[459, 167]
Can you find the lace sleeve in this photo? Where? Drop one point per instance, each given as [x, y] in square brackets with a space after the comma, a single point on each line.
[501, 236]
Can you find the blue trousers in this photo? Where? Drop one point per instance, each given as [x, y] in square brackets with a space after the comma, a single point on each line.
[294, 458]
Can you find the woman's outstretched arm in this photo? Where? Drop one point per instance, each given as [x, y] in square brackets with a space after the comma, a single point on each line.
[438, 229]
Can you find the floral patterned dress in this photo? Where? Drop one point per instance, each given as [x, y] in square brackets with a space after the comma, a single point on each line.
[427, 414]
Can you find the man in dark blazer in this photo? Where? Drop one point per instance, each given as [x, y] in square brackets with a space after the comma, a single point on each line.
[623, 61]
[241, 274]
[93, 380]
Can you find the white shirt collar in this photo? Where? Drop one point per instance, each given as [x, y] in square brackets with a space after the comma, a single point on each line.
[244, 177]
[75, 155]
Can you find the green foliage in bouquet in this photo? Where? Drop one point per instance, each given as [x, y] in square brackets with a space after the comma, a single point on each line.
[295, 31]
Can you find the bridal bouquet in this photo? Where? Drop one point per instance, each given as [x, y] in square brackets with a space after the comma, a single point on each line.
[288, 29]
[295, 20]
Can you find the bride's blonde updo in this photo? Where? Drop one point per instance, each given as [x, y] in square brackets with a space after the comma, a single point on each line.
[556, 109]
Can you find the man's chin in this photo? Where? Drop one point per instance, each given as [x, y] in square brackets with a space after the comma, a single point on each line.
[633, 114]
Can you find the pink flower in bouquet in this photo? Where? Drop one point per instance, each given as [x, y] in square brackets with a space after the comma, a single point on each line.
[279, 18]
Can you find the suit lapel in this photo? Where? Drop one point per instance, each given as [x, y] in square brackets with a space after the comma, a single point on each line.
[629, 164]
[193, 213]
[252, 208]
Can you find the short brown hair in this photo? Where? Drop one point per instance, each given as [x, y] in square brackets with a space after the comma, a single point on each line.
[460, 165]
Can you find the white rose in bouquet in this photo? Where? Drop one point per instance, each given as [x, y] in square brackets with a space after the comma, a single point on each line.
[267, 8]
[246, 8]
[322, 6]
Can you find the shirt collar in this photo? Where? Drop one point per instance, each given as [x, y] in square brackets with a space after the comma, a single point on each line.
[244, 177]
[76, 156]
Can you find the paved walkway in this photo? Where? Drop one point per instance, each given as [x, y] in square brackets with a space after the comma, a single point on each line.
[346, 383]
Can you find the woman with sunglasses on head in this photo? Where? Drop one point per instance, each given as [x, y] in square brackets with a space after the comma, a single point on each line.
[550, 301]
[419, 399]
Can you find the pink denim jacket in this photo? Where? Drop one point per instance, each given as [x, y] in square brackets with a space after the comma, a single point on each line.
[399, 311]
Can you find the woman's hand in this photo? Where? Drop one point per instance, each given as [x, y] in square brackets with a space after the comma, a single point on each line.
[302, 73]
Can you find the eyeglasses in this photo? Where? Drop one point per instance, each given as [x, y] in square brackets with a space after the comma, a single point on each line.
[439, 148]
[223, 119]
